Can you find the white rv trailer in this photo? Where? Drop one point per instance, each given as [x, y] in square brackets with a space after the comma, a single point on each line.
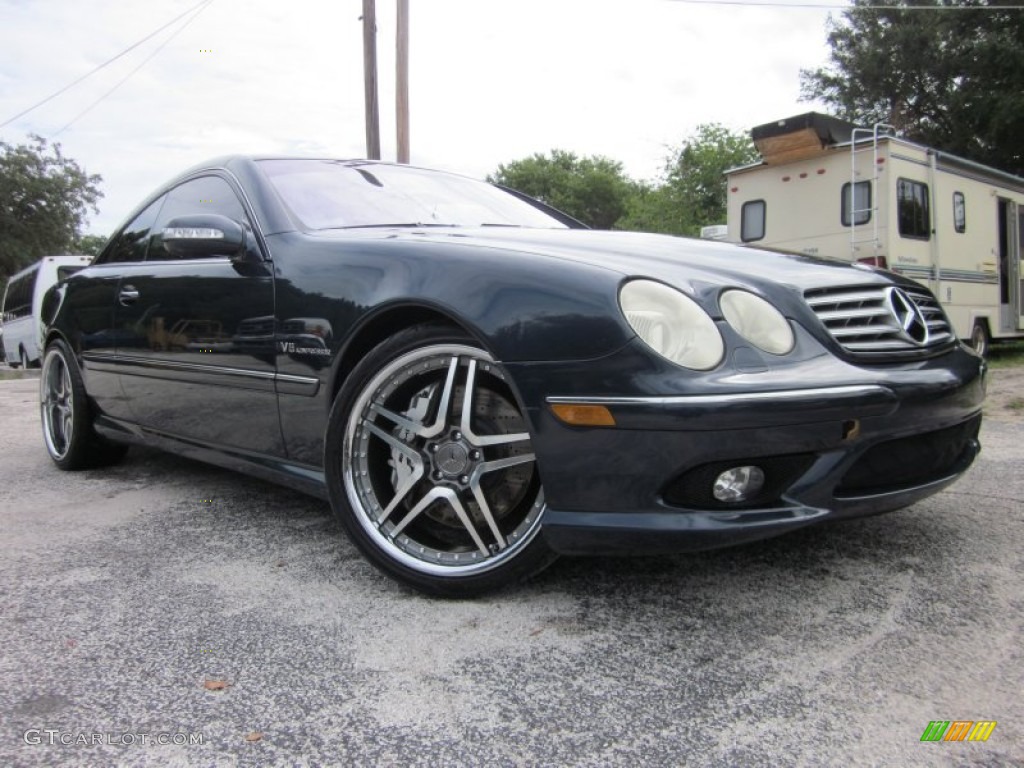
[825, 187]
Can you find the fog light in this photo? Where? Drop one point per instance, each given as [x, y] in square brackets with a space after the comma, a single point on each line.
[738, 483]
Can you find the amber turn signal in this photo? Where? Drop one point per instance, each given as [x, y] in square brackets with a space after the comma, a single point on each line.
[583, 415]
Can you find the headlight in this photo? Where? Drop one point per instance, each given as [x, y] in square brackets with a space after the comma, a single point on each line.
[757, 321]
[671, 324]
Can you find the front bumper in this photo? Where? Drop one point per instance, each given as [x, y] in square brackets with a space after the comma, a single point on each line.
[835, 441]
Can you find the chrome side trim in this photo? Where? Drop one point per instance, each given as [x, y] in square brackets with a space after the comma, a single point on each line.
[745, 397]
[289, 384]
[208, 374]
[174, 365]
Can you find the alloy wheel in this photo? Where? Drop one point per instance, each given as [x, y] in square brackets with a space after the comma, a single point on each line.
[438, 465]
[58, 402]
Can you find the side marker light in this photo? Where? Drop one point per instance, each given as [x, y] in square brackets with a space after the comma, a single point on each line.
[583, 415]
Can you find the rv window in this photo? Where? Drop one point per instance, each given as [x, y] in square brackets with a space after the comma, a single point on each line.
[18, 299]
[861, 203]
[752, 219]
[959, 212]
[912, 212]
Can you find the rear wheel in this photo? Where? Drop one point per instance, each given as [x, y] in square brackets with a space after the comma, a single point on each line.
[430, 466]
[980, 338]
[67, 419]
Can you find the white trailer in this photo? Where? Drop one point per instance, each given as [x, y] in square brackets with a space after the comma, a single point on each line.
[825, 187]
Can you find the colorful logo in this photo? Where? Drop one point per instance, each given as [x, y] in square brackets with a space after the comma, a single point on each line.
[958, 730]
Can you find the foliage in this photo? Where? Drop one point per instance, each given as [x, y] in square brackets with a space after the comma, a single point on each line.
[949, 79]
[89, 245]
[692, 192]
[593, 189]
[44, 200]
[1006, 354]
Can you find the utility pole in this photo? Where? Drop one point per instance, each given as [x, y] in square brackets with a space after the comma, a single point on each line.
[402, 80]
[370, 79]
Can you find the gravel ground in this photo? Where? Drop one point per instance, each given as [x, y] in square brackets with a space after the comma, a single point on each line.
[126, 594]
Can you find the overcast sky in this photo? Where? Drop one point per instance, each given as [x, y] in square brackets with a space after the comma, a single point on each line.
[491, 80]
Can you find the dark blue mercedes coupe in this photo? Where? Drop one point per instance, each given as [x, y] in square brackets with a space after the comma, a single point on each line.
[477, 383]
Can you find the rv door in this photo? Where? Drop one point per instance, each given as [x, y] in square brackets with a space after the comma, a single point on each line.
[1020, 268]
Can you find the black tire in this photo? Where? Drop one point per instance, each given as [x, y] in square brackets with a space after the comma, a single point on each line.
[22, 358]
[67, 417]
[440, 493]
[980, 339]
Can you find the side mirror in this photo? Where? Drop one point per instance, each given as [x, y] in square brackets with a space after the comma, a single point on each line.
[203, 235]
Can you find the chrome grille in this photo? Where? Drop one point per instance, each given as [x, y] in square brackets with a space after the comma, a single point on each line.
[862, 318]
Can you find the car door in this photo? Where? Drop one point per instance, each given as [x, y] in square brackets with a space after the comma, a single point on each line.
[90, 306]
[191, 367]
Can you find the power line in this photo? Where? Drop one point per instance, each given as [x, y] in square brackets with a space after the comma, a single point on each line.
[144, 62]
[850, 7]
[104, 64]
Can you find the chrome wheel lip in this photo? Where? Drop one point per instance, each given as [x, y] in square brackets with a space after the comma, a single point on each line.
[57, 403]
[396, 546]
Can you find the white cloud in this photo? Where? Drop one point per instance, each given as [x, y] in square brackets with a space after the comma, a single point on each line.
[490, 81]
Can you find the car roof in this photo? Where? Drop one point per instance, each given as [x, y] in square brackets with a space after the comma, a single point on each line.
[229, 161]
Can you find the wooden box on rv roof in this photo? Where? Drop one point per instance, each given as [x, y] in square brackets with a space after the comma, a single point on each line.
[800, 137]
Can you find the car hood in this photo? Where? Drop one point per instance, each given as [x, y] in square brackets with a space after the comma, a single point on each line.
[676, 260]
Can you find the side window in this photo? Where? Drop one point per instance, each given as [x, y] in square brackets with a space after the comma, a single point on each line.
[861, 202]
[959, 212]
[752, 218]
[207, 194]
[18, 299]
[912, 209]
[131, 244]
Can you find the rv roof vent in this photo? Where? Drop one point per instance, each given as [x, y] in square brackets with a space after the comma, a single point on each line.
[714, 232]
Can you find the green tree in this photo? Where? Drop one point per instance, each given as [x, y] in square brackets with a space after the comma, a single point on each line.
[89, 245]
[952, 79]
[593, 189]
[44, 200]
[691, 193]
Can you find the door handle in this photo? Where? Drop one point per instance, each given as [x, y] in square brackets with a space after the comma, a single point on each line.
[128, 295]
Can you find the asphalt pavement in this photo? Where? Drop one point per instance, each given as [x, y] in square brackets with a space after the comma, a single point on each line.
[166, 613]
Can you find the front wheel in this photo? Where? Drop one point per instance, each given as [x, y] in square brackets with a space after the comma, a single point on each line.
[430, 466]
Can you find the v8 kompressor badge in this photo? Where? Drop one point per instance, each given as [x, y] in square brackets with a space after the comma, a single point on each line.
[290, 348]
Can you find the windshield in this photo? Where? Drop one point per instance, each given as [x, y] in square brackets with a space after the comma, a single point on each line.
[335, 194]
